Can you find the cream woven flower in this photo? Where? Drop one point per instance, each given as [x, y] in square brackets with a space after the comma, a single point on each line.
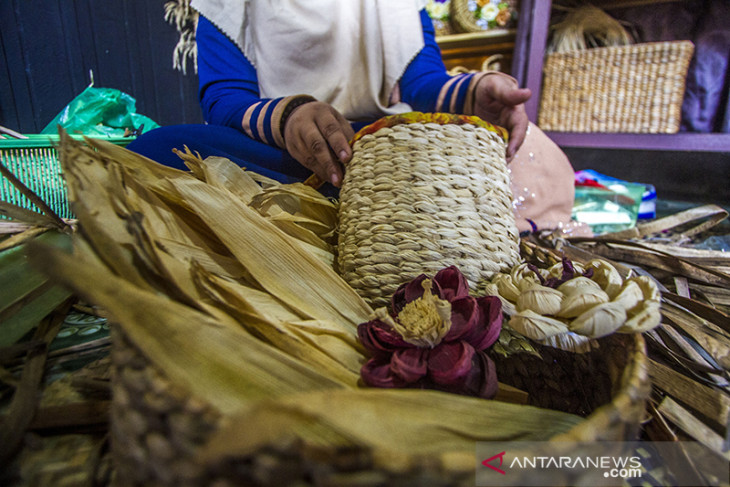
[567, 305]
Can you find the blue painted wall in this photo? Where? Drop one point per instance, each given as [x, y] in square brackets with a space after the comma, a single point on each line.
[48, 47]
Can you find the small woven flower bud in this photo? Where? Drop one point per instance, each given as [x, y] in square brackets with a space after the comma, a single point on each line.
[599, 321]
[557, 270]
[579, 284]
[644, 317]
[535, 326]
[630, 294]
[424, 321]
[506, 287]
[540, 299]
[606, 276]
[522, 275]
[648, 287]
[580, 301]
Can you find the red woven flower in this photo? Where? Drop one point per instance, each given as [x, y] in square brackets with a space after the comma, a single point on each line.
[435, 337]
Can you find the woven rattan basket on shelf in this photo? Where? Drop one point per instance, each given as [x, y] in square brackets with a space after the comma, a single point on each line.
[421, 196]
[632, 89]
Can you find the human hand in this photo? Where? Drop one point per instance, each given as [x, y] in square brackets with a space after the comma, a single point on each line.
[318, 137]
[499, 100]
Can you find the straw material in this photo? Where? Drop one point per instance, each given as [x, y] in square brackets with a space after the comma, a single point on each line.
[631, 89]
[418, 197]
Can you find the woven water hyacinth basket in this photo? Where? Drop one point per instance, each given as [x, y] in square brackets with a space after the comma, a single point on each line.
[632, 89]
[422, 192]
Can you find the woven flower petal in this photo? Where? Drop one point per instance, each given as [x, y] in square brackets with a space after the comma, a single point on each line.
[487, 377]
[380, 338]
[410, 291]
[452, 282]
[465, 316]
[490, 308]
[378, 373]
[449, 364]
[411, 364]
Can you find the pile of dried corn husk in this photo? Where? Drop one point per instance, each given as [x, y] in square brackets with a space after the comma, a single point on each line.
[224, 281]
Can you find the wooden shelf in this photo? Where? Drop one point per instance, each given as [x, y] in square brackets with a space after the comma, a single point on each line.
[471, 50]
[529, 56]
[683, 141]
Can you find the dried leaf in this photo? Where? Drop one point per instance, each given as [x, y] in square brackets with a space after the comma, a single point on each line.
[540, 299]
[281, 266]
[535, 326]
[599, 321]
[438, 424]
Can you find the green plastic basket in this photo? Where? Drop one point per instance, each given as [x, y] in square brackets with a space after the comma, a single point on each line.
[35, 162]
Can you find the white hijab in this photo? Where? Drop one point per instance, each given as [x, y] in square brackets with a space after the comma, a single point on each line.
[349, 53]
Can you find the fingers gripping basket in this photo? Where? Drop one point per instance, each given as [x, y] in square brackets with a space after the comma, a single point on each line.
[425, 191]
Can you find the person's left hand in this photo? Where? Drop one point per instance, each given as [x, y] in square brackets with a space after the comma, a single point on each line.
[499, 100]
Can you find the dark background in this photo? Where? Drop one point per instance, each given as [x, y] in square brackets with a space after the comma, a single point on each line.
[48, 48]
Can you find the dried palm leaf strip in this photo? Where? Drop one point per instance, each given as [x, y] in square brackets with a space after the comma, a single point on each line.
[695, 428]
[706, 400]
[714, 343]
[708, 216]
[709, 313]
[52, 218]
[639, 254]
[21, 410]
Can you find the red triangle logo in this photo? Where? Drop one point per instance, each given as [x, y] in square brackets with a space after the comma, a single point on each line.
[487, 463]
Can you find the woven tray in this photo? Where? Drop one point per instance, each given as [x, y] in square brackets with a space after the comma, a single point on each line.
[631, 89]
[422, 192]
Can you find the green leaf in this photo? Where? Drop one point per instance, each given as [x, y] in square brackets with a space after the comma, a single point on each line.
[26, 296]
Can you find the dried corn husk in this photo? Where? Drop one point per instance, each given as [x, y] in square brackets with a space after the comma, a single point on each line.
[536, 326]
[540, 299]
[601, 320]
[440, 433]
[578, 302]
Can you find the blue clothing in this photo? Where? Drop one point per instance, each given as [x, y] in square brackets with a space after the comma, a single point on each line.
[245, 128]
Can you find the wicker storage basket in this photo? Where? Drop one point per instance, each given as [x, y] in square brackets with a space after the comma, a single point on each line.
[34, 161]
[157, 427]
[422, 192]
[631, 89]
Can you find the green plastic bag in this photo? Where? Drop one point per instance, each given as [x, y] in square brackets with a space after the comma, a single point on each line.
[101, 112]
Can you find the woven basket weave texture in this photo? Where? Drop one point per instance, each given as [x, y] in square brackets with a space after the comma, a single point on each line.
[630, 89]
[419, 197]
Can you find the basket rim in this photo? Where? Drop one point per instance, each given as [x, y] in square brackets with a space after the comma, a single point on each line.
[686, 44]
[52, 140]
[440, 118]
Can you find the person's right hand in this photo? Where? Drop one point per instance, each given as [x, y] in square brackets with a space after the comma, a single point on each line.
[318, 137]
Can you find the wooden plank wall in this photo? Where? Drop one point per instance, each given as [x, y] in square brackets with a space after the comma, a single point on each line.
[49, 47]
